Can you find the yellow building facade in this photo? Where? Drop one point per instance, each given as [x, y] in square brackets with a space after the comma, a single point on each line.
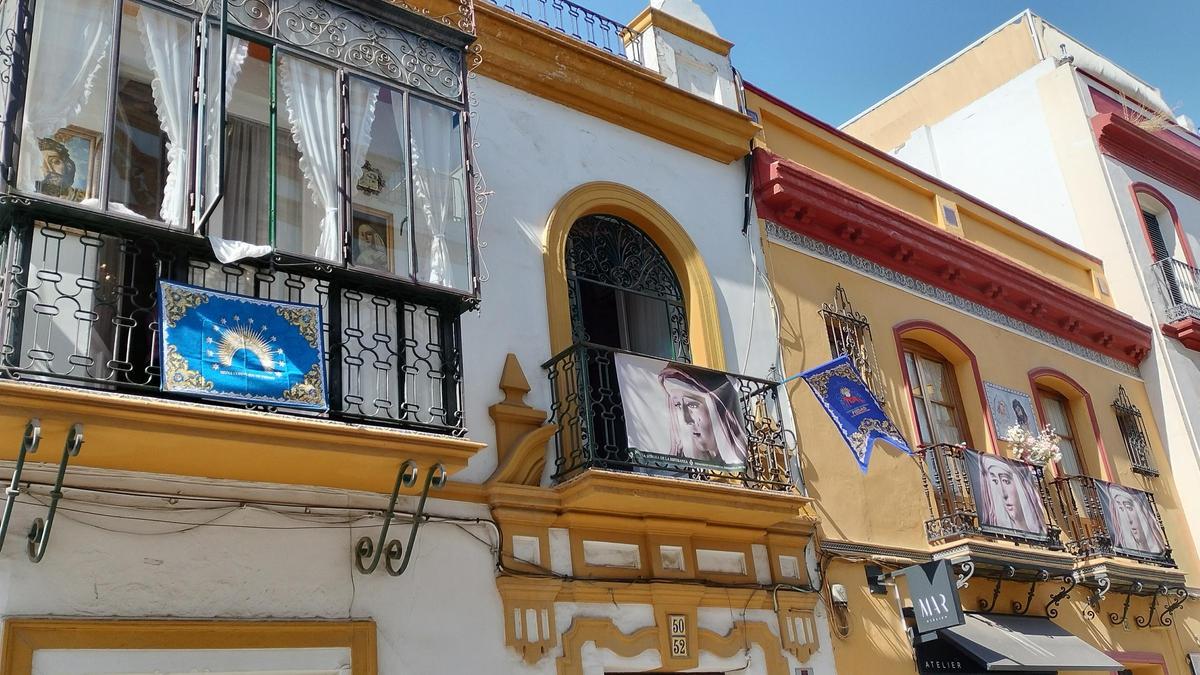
[947, 305]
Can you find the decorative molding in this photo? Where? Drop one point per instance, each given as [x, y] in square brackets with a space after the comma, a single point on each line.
[521, 430]
[529, 623]
[558, 68]
[22, 637]
[1175, 163]
[865, 233]
[1186, 330]
[656, 18]
[839, 256]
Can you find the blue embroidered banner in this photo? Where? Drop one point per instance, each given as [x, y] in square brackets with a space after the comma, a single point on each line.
[853, 409]
[231, 347]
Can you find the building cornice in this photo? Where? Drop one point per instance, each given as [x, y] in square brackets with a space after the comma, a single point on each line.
[656, 18]
[819, 207]
[1149, 153]
[524, 54]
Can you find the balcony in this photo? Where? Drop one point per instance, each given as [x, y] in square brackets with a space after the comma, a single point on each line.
[1104, 520]
[1178, 286]
[80, 310]
[596, 425]
[581, 24]
[951, 482]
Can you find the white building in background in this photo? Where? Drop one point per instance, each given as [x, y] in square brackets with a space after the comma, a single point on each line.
[495, 205]
[1035, 122]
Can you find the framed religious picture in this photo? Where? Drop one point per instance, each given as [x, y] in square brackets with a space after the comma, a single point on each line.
[1132, 525]
[70, 164]
[372, 240]
[682, 415]
[1007, 500]
[1009, 408]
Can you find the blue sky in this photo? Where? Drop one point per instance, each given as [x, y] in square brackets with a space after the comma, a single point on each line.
[833, 59]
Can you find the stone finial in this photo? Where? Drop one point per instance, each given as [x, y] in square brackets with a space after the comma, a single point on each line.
[513, 382]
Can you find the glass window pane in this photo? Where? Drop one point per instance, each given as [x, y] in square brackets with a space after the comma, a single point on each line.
[307, 218]
[923, 429]
[914, 376]
[378, 179]
[62, 136]
[647, 325]
[150, 153]
[1056, 415]
[243, 212]
[945, 424]
[439, 196]
[933, 377]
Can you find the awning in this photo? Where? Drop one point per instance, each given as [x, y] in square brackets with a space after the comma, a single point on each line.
[1024, 644]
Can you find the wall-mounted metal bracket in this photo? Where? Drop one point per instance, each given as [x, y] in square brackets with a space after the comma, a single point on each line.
[1144, 622]
[393, 550]
[1119, 619]
[968, 570]
[1007, 573]
[1062, 594]
[1165, 618]
[1018, 607]
[39, 532]
[1103, 584]
[29, 444]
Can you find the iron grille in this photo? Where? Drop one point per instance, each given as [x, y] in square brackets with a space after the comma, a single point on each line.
[952, 502]
[1133, 430]
[850, 335]
[582, 24]
[1179, 288]
[1087, 531]
[80, 308]
[588, 409]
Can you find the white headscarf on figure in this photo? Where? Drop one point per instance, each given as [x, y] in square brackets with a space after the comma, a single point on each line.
[1021, 510]
[717, 422]
[1133, 528]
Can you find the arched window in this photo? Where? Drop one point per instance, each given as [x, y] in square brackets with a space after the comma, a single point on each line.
[935, 397]
[622, 290]
[1169, 249]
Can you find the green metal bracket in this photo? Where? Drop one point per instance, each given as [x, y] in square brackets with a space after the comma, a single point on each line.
[39, 532]
[393, 550]
[29, 443]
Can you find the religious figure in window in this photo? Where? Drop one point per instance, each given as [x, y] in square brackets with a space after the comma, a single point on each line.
[705, 423]
[58, 171]
[1006, 494]
[1130, 519]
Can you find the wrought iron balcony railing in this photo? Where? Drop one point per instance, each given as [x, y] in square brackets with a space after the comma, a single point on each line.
[582, 24]
[1102, 519]
[79, 308]
[731, 431]
[1016, 505]
[1179, 288]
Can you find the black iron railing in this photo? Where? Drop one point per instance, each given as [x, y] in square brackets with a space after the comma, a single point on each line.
[582, 24]
[1179, 288]
[954, 508]
[1088, 528]
[595, 423]
[80, 308]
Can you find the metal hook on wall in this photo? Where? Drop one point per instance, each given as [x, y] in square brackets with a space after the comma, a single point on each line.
[39, 532]
[393, 550]
[29, 443]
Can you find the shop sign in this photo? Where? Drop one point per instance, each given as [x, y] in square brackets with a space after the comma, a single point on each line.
[933, 589]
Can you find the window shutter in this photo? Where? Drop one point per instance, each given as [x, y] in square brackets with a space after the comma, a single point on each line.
[1158, 244]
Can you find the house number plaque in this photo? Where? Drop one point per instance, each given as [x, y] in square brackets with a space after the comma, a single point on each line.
[678, 630]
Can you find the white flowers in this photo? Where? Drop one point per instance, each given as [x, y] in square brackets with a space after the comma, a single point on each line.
[1039, 449]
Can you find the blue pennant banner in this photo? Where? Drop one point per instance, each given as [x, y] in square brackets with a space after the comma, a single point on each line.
[231, 347]
[853, 409]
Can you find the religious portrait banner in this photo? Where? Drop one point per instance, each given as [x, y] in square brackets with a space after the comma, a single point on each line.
[1007, 500]
[1132, 524]
[682, 415]
[853, 409]
[235, 348]
[1009, 408]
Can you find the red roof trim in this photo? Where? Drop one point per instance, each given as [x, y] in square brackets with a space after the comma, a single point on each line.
[1148, 152]
[820, 207]
[904, 166]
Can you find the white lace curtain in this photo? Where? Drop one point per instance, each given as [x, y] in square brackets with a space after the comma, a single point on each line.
[437, 196]
[63, 73]
[168, 44]
[310, 97]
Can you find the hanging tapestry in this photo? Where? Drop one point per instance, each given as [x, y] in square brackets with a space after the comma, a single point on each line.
[231, 347]
[853, 409]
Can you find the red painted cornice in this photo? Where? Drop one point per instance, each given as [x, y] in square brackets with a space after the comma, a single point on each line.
[1187, 331]
[1148, 152]
[822, 208]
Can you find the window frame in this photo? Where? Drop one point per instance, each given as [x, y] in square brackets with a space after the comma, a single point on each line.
[915, 382]
[344, 72]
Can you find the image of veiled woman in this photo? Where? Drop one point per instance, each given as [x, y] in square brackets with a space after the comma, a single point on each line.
[1006, 495]
[1131, 523]
[1020, 414]
[705, 423]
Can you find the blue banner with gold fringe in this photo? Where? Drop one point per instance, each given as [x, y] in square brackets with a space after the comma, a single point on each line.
[231, 347]
[853, 408]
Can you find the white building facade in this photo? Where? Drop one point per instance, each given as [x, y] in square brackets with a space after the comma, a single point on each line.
[497, 207]
[1035, 122]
